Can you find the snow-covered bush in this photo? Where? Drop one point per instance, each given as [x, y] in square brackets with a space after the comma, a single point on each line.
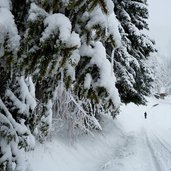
[69, 117]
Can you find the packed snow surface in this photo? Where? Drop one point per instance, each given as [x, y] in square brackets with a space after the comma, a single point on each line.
[129, 143]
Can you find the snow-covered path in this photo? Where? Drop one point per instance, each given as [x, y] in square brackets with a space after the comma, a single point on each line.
[146, 143]
[160, 154]
[144, 150]
[130, 143]
[160, 147]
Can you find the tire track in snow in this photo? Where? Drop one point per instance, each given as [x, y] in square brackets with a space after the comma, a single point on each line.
[132, 148]
[163, 143]
[161, 154]
[153, 155]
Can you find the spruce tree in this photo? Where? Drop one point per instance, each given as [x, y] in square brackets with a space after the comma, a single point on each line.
[95, 79]
[16, 96]
[132, 72]
[45, 44]
[53, 50]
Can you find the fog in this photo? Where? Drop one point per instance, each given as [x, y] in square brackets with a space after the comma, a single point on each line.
[160, 25]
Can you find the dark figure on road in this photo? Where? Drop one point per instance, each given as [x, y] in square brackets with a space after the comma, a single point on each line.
[145, 115]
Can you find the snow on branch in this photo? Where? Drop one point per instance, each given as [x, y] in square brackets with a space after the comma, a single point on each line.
[8, 29]
[57, 22]
[107, 79]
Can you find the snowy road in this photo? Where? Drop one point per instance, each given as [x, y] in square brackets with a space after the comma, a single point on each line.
[143, 151]
[160, 149]
[146, 143]
[130, 143]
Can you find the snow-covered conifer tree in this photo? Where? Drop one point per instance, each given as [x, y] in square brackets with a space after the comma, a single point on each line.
[96, 23]
[65, 41]
[17, 100]
[132, 72]
[44, 45]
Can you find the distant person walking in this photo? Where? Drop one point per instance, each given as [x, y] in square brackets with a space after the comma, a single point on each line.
[145, 115]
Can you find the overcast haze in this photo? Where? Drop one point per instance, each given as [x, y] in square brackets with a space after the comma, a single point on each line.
[160, 25]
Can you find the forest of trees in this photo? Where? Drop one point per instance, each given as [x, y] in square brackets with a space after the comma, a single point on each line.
[71, 60]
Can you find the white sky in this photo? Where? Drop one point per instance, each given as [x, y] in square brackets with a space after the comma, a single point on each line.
[160, 25]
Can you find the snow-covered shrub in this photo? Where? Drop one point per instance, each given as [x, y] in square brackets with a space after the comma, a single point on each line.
[69, 116]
